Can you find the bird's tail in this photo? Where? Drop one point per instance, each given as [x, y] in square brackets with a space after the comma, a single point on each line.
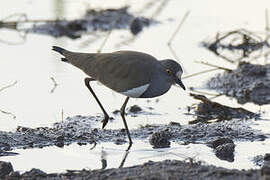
[60, 51]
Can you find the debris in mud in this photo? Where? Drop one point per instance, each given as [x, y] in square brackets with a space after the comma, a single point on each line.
[151, 170]
[248, 83]
[160, 139]
[208, 110]
[239, 44]
[93, 20]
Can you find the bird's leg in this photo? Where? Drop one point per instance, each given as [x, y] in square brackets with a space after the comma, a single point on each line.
[122, 111]
[106, 117]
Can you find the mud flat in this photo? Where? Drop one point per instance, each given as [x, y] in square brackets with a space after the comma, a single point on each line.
[78, 129]
[221, 136]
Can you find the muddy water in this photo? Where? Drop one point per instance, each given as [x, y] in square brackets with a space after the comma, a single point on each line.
[31, 63]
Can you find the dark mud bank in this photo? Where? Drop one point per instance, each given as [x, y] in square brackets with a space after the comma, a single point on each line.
[247, 83]
[151, 170]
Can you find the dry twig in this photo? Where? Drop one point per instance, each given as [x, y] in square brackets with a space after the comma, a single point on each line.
[8, 113]
[175, 33]
[8, 86]
[198, 73]
[215, 66]
[54, 84]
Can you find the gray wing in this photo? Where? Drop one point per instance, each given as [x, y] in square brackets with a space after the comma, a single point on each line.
[121, 70]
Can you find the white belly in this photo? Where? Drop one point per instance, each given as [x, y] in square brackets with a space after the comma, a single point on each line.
[135, 92]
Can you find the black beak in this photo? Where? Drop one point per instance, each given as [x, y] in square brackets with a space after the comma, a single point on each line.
[180, 83]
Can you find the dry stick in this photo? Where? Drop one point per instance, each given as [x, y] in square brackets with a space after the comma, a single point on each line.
[160, 8]
[93, 37]
[204, 93]
[8, 113]
[266, 20]
[3, 88]
[178, 28]
[267, 29]
[108, 35]
[212, 65]
[13, 24]
[8, 86]
[62, 114]
[104, 42]
[198, 73]
[173, 36]
[147, 6]
[54, 84]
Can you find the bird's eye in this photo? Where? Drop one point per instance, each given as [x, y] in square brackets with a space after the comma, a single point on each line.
[168, 71]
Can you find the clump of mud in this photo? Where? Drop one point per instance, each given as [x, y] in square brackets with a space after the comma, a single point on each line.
[135, 109]
[247, 83]
[160, 139]
[224, 148]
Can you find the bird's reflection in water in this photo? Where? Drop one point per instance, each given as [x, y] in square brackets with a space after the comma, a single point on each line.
[103, 158]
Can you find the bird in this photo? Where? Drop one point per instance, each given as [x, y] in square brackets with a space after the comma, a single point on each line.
[133, 74]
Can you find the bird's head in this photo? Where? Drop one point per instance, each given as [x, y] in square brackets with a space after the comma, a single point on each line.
[173, 71]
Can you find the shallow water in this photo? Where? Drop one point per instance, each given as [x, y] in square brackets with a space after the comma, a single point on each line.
[32, 64]
[108, 155]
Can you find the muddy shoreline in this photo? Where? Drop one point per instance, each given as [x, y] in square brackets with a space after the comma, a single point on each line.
[78, 130]
[220, 136]
[151, 170]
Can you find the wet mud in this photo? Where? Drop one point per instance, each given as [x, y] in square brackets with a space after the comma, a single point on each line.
[151, 170]
[78, 129]
[221, 136]
[247, 83]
